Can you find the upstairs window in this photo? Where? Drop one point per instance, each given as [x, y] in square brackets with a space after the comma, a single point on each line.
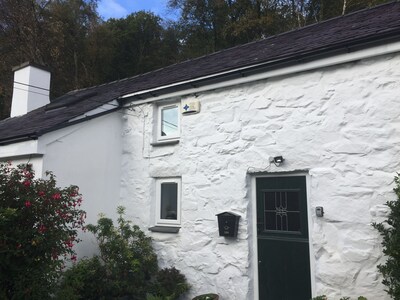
[168, 201]
[168, 122]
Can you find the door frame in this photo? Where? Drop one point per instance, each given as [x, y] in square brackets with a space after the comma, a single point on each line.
[310, 216]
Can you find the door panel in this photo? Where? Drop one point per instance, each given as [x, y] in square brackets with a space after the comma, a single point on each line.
[282, 236]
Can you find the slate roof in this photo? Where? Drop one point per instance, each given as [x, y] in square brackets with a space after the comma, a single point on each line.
[356, 30]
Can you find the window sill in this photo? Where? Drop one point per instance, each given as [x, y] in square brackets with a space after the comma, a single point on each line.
[165, 229]
[164, 143]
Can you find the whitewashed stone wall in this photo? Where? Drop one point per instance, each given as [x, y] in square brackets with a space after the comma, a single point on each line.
[341, 124]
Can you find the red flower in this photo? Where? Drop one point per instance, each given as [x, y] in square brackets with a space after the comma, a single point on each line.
[69, 243]
[41, 193]
[73, 258]
[56, 196]
[28, 203]
[27, 183]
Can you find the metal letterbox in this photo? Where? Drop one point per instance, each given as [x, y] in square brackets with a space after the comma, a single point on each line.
[228, 224]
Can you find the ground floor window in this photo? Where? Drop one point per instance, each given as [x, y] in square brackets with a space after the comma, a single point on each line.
[168, 192]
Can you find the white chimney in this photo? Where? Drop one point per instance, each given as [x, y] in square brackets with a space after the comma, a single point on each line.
[31, 88]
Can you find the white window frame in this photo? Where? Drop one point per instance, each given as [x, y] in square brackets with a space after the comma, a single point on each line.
[168, 222]
[159, 122]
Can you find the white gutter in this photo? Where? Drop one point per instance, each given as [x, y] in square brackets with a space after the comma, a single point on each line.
[301, 67]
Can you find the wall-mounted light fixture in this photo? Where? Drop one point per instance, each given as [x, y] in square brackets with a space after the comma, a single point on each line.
[277, 160]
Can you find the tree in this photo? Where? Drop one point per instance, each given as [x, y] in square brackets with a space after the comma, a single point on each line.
[50, 33]
[256, 19]
[69, 24]
[20, 33]
[39, 224]
[136, 42]
[202, 25]
[320, 10]
[390, 232]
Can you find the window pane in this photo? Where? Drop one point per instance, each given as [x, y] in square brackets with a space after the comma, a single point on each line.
[169, 200]
[294, 221]
[281, 211]
[169, 121]
[293, 201]
[270, 221]
[270, 201]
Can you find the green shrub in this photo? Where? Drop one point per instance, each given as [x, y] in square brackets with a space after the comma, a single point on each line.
[169, 283]
[390, 232]
[126, 267]
[39, 223]
[84, 280]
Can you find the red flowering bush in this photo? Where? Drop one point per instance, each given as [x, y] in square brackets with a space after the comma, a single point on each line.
[39, 224]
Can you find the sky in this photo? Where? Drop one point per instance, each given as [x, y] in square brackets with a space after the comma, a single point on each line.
[121, 8]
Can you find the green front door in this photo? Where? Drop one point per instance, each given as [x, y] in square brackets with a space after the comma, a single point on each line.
[282, 237]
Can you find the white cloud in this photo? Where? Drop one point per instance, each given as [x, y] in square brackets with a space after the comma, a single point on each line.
[111, 9]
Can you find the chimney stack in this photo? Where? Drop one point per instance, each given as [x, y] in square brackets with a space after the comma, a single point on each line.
[31, 88]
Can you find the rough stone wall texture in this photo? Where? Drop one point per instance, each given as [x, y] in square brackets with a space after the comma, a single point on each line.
[340, 123]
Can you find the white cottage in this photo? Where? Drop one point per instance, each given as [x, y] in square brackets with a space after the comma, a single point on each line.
[297, 134]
